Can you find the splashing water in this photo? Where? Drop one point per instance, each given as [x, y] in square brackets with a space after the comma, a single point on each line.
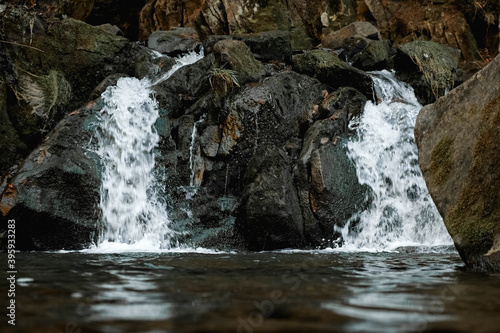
[132, 210]
[385, 154]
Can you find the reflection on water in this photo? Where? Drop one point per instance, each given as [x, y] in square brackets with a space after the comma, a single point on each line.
[294, 291]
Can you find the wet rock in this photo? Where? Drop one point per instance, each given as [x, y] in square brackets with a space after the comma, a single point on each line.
[238, 57]
[336, 39]
[459, 154]
[344, 99]
[328, 187]
[55, 192]
[190, 81]
[151, 65]
[174, 42]
[270, 216]
[268, 114]
[111, 80]
[332, 71]
[430, 68]
[210, 140]
[377, 55]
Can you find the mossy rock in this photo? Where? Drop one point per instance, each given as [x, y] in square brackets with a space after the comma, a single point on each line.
[12, 147]
[430, 68]
[327, 67]
[41, 102]
[238, 57]
[459, 154]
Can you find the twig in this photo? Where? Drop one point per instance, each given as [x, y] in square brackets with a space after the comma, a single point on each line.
[23, 45]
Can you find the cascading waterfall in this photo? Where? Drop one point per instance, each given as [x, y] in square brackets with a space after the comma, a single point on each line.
[401, 212]
[132, 211]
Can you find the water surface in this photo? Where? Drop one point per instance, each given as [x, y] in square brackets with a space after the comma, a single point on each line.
[413, 290]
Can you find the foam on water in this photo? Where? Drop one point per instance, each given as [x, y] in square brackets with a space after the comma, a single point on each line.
[133, 214]
[402, 212]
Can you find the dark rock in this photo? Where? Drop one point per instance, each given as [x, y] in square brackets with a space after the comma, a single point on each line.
[376, 55]
[352, 46]
[12, 147]
[54, 195]
[268, 114]
[270, 216]
[56, 68]
[430, 68]
[174, 42]
[191, 80]
[332, 71]
[123, 14]
[238, 57]
[151, 65]
[344, 99]
[269, 45]
[111, 80]
[459, 155]
[328, 187]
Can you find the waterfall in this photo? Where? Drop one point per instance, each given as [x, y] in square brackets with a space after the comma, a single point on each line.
[133, 213]
[402, 212]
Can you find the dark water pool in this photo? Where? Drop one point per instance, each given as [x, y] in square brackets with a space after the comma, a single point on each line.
[409, 291]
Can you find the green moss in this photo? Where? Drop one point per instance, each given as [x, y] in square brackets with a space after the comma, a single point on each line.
[432, 60]
[441, 161]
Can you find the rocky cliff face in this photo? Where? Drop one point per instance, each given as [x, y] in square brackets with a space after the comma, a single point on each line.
[267, 159]
[471, 26]
[458, 153]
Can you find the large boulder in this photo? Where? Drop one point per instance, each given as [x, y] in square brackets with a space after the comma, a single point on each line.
[328, 187]
[54, 194]
[237, 56]
[430, 68]
[459, 154]
[270, 215]
[377, 55]
[329, 69]
[51, 67]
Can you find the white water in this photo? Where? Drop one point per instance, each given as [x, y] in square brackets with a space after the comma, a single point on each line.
[402, 212]
[134, 218]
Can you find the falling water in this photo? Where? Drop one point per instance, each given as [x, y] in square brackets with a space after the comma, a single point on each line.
[401, 212]
[133, 212]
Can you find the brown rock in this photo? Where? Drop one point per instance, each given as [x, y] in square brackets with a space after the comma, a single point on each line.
[335, 40]
[459, 154]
